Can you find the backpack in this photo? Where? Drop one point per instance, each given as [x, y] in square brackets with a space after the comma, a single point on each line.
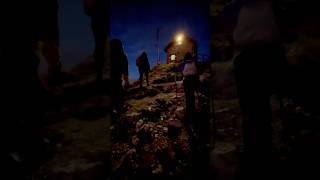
[189, 69]
[88, 7]
[138, 61]
[256, 24]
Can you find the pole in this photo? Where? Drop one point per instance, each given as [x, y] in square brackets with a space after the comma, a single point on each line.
[158, 49]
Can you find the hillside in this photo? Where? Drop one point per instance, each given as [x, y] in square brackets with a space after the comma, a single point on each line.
[151, 138]
[82, 135]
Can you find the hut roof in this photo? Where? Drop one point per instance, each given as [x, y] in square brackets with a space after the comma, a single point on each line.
[172, 43]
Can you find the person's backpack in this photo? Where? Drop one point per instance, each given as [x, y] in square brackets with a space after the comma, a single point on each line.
[256, 24]
[189, 69]
[138, 61]
[88, 7]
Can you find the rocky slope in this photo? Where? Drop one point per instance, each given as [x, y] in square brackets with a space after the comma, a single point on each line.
[151, 138]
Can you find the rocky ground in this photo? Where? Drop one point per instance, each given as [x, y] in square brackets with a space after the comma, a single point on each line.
[77, 130]
[151, 139]
[295, 127]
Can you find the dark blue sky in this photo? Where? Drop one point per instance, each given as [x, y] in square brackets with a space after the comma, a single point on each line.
[135, 23]
[76, 38]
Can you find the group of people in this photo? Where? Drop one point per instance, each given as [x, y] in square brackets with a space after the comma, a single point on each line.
[258, 70]
[119, 74]
[259, 66]
[27, 95]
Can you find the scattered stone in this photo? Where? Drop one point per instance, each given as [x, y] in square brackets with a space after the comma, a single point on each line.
[135, 140]
[179, 113]
[175, 123]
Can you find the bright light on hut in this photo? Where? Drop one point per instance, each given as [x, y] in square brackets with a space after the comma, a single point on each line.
[179, 38]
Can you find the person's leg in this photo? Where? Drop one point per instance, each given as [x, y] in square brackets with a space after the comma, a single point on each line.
[147, 77]
[192, 96]
[100, 37]
[189, 95]
[117, 95]
[141, 77]
[254, 98]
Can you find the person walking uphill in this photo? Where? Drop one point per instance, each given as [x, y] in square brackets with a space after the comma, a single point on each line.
[190, 82]
[98, 11]
[25, 96]
[258, 72]
[144, 67]
[119, 73]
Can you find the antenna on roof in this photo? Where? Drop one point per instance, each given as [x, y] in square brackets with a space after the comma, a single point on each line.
[158, 48]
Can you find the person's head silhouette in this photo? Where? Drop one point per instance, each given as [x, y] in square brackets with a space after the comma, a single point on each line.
[116, 45]
[188, 57]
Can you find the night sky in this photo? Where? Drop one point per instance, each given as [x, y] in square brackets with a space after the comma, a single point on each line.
[76, 38]
[135, 23]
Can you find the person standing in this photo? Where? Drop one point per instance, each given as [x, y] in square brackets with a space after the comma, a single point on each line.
[144, 67]
[98, 11]
[119, 74]
[259, 67]
[26, 97]
[190, 82]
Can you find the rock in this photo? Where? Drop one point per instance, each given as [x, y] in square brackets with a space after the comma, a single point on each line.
[151, 114]
[142, 93]
[222, 110]
[133, 116]
[79, 170]
[158, 169]
[135, 140]
[175, 123]
[174, 128]
[224, 148]
[139, 125]
[179, 113]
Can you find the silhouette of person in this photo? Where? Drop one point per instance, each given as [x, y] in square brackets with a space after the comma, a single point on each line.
[99, 14]
[143, 67]
[190, 82]
[26, 94]
[258, 71]
[50, 48]
[119, 73]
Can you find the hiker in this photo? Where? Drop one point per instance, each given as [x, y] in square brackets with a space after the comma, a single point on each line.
[259, 66]
[27, 95]
[144, 67]
[50, 49]
[98, 12]
[190, 82]
[119, 74]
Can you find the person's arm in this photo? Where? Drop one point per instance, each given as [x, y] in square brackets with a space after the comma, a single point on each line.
[148, 64]
[43, 52]
[88, 7]
[125, 71]
[48, 42]
[180, 67]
